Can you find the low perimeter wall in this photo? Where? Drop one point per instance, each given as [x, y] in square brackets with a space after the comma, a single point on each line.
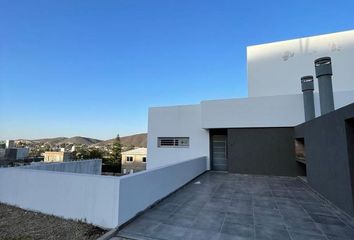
[139, 191]
[90, 198]
[91, 166]
[104, 201]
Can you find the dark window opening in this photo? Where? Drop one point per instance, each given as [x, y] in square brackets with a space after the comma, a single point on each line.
[300, 152]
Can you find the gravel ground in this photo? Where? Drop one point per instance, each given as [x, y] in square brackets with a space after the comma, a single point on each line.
[19, 224]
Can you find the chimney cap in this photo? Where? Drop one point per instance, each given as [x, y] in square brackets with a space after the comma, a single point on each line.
[323, 66]
[322, 60]
[307, 83]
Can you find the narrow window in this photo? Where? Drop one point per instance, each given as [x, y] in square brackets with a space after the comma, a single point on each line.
[144, 159]
[182, 142]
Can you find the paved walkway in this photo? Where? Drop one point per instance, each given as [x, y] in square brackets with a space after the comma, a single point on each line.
[223, 206]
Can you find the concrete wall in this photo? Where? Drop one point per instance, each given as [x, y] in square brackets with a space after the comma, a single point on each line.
[176, 121]
[104, 201]
[327, 149]
[141, 190]
[90, 198]
[92, 166]
[276, 68]
[271, 111]
[265, 151]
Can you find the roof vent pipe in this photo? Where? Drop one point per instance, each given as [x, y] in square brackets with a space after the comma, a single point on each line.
[307, 92]
[323, 68]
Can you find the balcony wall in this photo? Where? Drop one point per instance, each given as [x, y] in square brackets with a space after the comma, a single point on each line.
[103, 201]
[91, 166]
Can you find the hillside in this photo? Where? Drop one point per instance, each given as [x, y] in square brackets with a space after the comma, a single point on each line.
[137, 140]
[80, 140]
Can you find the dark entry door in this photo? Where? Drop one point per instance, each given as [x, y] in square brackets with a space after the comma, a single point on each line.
[219, 156]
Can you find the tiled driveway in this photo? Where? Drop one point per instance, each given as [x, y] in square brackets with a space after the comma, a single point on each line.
[232, 206]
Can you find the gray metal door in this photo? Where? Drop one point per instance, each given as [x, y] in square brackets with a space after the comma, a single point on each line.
[219, 156]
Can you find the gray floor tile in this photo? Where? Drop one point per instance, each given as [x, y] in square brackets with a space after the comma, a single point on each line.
[241, 207]
[169, 232]
[270, 221]
[266, 211]
[323, 219]
[180, 220]
[167, 207]
[188, 210]
[242, 196]
[243, 219]
[318, 209]
[209, 221]
[302, 225]
[337, 231]
[238, 230]
[265, 204]
[265, 233]
[282, 194]
[156, 215]
[224, 236]
[196, 234]
[142, 227]
[306, 236]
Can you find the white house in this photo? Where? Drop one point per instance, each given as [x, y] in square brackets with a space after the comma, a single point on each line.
[262, 120]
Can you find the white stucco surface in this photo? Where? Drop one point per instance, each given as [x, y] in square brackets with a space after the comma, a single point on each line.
[139, 191]
[91, 198]
[91, 166]
[176, 121]
[276, 68]
[103, 201]
[270, 111]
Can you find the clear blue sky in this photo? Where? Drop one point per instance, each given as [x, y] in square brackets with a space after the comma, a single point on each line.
[92, 68]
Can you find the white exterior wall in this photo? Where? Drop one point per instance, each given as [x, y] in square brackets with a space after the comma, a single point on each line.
[91, 166]
[103, 201]
[177, 121]
[276, 68]
[91, 198]
[272, 111]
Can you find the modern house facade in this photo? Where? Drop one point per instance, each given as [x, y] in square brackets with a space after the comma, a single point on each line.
[257, 134]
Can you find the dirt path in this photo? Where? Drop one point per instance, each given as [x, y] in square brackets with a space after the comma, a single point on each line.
[19, 224]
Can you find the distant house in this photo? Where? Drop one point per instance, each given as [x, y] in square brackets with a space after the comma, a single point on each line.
[134, 160]
[16, 153]
[57, 156]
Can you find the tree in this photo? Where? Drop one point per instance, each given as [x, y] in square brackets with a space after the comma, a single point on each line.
[117, 150]
[95, 153]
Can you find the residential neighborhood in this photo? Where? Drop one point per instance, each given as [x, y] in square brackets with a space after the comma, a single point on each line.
[176, 120]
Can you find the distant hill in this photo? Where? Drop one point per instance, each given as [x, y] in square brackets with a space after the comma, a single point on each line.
[50, 140]
[137, 140]
[80, 140]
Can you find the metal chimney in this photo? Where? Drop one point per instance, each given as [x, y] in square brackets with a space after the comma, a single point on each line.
[307, 92]
[323, 68]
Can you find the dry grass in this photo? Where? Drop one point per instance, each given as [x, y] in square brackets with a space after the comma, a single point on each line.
[19, 224]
